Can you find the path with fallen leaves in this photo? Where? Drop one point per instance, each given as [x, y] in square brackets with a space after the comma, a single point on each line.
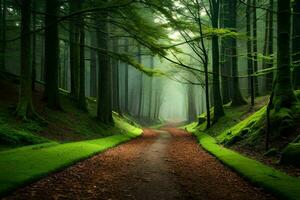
[162, 164]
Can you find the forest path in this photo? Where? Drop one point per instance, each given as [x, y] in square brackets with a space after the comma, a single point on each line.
[164, 164]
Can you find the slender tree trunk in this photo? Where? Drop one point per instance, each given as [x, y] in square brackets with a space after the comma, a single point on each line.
[151, 88]
[51, 93]
[82, 99]
[237, 98]
[296, 44]
[140, 108]
[254, 39]
[126, 79]
[42, 74]
[93, 70]
[266, 43]
[104, 102]
[192, 114]
[33, 45]
[225, 55]
[74, 49]
[25, 106]
[115, 67]
[3, 34]
[218, 103]
[270, 64]
[249, 54]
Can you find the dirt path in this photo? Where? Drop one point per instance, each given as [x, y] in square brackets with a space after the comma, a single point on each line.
[159, 165]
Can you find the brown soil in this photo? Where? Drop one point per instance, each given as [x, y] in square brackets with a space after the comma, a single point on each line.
[160, 165]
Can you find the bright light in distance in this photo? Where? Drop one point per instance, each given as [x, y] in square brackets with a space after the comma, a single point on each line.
[174, 35]
[203, 13]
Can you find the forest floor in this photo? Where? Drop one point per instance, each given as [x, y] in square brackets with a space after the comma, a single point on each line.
[68, 125]
[161, 164]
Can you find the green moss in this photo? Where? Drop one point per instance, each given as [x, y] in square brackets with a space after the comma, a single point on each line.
[291, 155]
[24, 165]
[11, 136]
[280, 184]
[240, 131]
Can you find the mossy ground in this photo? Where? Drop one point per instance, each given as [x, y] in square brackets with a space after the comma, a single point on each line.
[244, 130]
[68, 125]
[32, 149]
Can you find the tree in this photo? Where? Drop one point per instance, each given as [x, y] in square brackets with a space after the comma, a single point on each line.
[225, 53]
[3, 7]
[249, 54]
[126, 79]
[254, 46]
[140, 106]
[104, 100]
[218, 103]
[296, 43]
[283, 99]
[237, 98]
[115, 76]
[25, 106]
[81, 95]
[74, 49]
[268, 63]
[51, 94]
[93, 67]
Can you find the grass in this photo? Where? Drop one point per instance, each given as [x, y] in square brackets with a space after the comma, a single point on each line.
[278, 183]
[23, 165]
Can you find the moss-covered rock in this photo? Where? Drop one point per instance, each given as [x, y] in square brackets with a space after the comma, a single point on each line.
[282, 121]
[291, 155]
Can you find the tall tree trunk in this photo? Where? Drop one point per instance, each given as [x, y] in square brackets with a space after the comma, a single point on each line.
[270, 64]
[93, 70]
[192, 113]
[115, 81]
[104, 102]
[33, 45]
[249, 54]
[3, 34]
[237, 98]
[126, 79]
[151, 88]
[218, 103]
[74, 49]
[81, 98]
[140, 108]
[266, 44]
[225, 55]
[254, 39]
[25, 106]
[284, 96]
[296, 43]
[51, 93]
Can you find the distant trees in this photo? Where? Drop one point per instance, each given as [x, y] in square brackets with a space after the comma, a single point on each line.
[90, 34]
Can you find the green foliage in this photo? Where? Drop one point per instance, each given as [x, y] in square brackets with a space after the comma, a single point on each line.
[278, 183]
